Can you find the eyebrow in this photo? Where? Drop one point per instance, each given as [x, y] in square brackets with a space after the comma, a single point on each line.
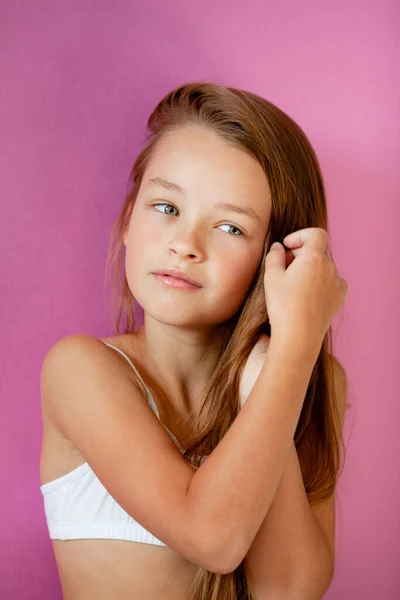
[169, 185]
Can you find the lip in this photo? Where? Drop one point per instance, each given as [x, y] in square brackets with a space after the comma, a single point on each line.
[179, 275]
[174, 282]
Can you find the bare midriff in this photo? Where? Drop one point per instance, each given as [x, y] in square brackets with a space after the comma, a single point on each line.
[105, 569]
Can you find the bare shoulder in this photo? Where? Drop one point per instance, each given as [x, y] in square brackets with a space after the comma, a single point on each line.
[82, 361]
[340, 386]
[92, 350]
[253, 367]
[71, 344]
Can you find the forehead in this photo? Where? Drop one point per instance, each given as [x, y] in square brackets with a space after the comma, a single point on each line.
[205, 165]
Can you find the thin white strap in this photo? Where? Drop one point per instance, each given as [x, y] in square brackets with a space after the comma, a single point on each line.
[149, 395]
[152, 403]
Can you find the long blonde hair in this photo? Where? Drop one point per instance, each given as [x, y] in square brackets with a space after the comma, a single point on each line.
[256, 126]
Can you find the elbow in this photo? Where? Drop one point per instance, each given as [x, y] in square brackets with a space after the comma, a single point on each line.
[227, 565]
[223, 555]
[220, 548]
[219, 562]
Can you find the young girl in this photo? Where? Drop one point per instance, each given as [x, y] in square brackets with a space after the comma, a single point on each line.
[168, 450]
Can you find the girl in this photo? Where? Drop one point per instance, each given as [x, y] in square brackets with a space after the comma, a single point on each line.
[164, 446]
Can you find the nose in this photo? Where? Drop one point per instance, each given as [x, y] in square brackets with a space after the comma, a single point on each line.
[187, 244]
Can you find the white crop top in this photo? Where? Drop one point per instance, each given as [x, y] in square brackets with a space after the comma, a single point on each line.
[78, 506]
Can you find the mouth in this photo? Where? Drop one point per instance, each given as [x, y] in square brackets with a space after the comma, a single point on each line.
[175, 281]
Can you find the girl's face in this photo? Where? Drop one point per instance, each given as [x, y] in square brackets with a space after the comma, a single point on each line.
[187, 229]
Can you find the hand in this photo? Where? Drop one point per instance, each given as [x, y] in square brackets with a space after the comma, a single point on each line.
[302, 288]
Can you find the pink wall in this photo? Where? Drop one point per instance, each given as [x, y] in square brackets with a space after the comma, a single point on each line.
[77, 81]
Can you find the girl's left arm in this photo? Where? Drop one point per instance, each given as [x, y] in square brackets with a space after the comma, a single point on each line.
[292, 555]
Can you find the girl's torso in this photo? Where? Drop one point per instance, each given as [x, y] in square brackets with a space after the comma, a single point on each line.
[109, 568]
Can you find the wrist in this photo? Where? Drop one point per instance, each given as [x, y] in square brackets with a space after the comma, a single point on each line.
[296, 347]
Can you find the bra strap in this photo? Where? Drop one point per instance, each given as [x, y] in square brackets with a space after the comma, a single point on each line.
[149, 395]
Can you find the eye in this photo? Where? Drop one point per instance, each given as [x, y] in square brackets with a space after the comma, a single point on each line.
[165, 204]
[223, 225]
[234, 227]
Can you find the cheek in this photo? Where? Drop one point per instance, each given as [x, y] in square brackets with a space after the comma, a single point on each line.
[235, 273]
[136, 258]
[142, 256]
[142, 241]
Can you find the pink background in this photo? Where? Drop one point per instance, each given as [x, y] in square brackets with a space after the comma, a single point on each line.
[77, 82]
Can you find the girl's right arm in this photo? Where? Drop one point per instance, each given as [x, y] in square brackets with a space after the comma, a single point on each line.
[210, 516]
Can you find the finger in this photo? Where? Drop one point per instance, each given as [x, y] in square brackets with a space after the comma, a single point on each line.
[293, 252]
[315, 237]
[289, 257]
